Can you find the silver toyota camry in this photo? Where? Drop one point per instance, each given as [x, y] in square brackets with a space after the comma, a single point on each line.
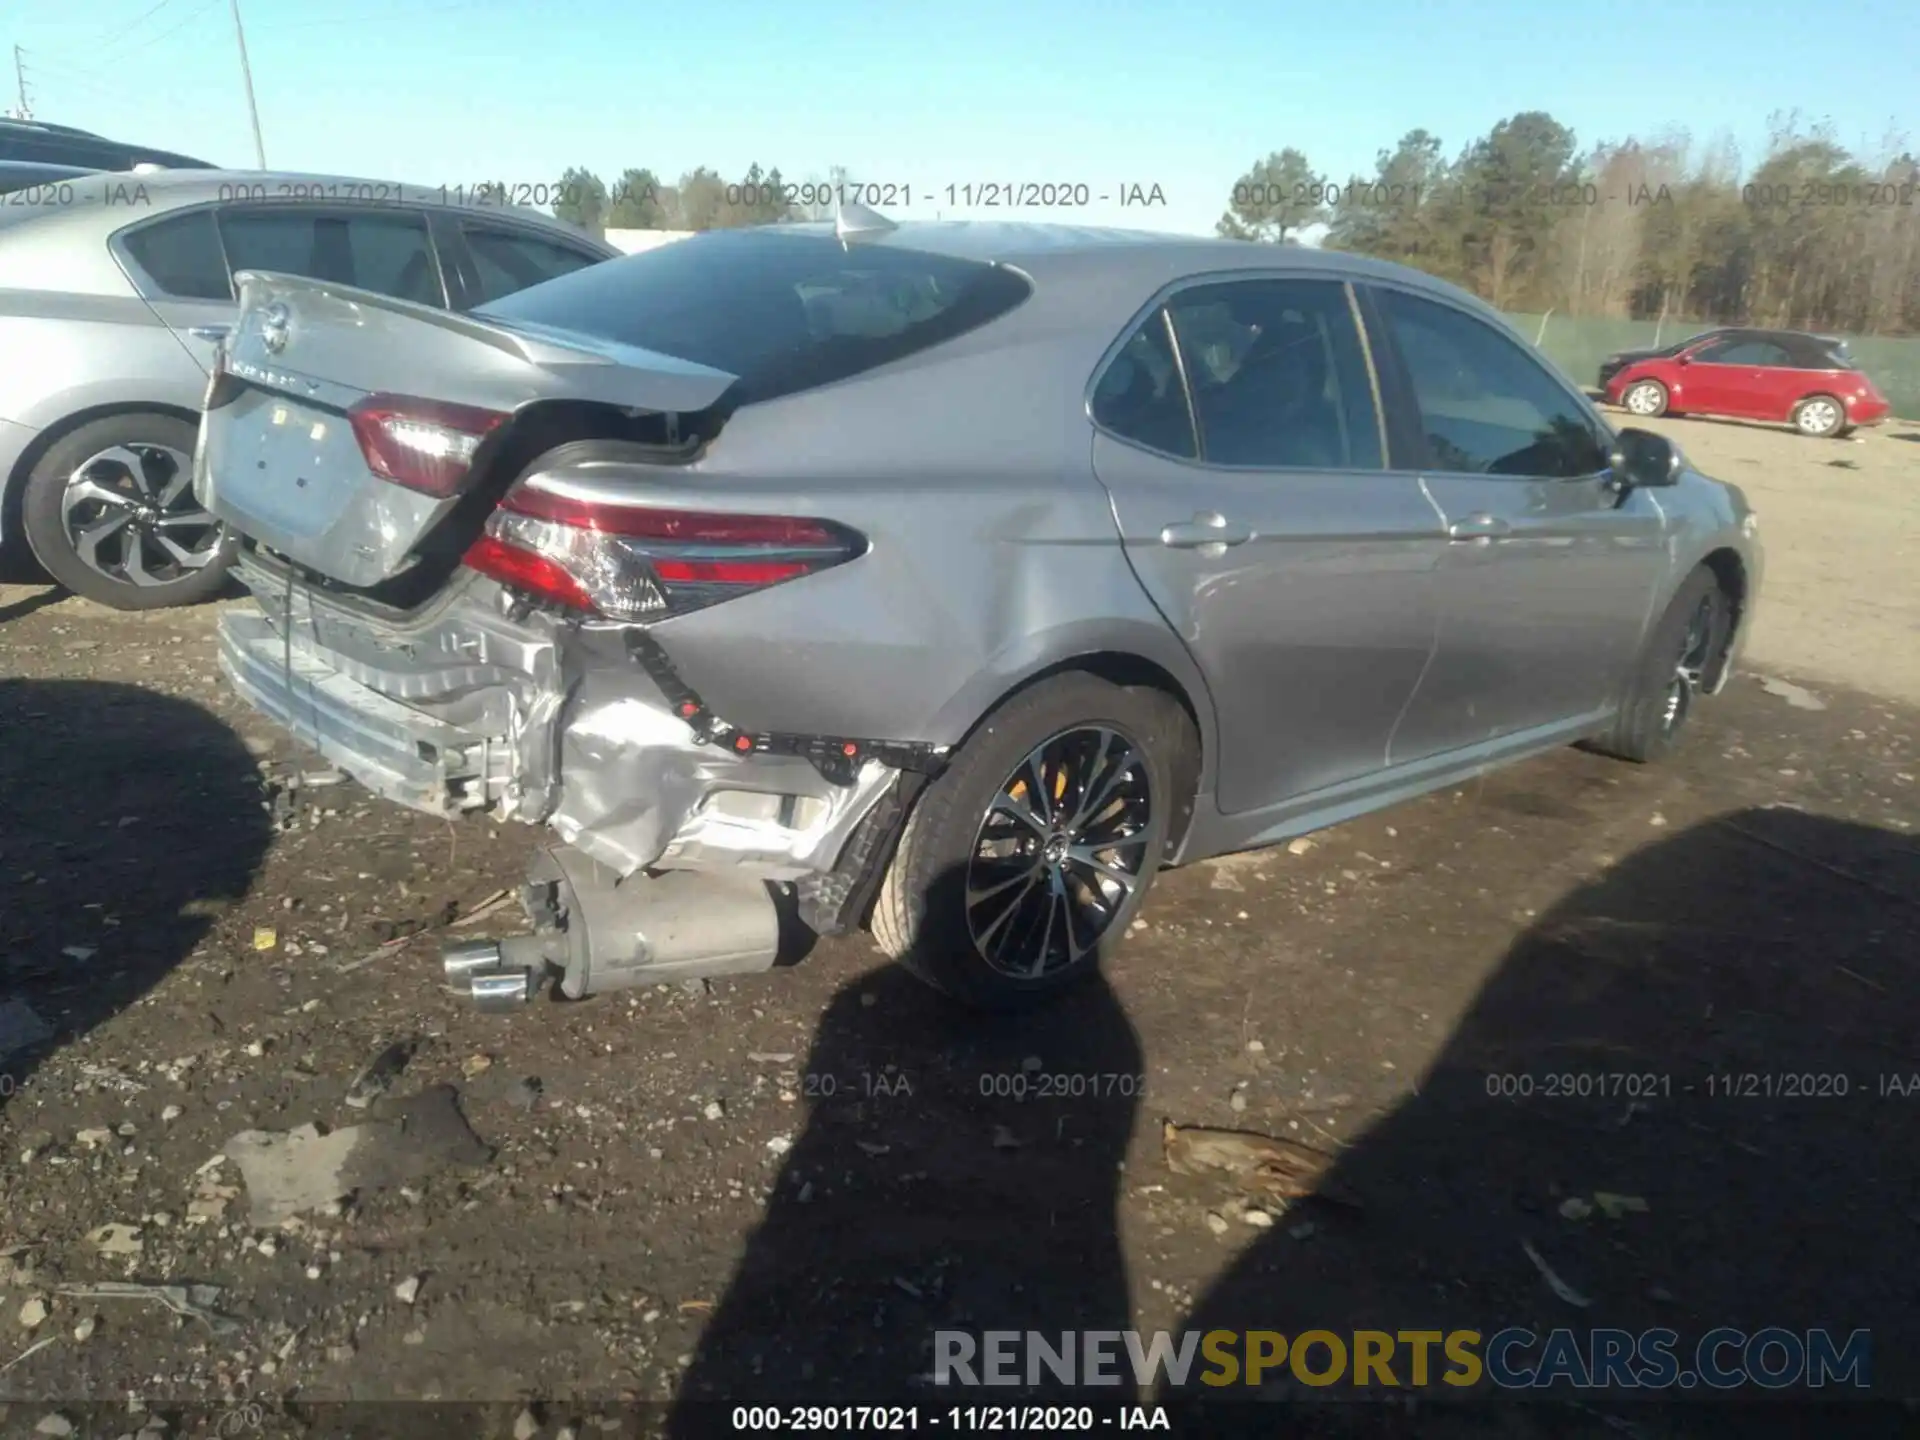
[942, 579]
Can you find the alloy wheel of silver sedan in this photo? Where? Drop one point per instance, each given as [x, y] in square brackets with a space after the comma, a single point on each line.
[1059, 852]
[130, 515]
[1690, 668]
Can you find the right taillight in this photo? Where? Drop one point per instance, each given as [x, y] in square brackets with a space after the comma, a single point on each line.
[645, 562]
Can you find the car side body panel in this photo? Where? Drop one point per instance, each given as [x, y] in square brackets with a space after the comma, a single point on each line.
[992, 551]
[51, 376]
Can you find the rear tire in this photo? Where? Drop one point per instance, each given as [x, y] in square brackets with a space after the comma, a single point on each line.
[109, 512]
[1646, 399]
[1680, 653]
[1030, 855]
[1820, 417]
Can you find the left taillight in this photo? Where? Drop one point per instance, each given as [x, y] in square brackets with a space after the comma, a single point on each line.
[647, 562]
[424, 445]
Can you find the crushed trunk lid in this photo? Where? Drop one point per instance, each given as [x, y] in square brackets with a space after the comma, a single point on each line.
[278, 457]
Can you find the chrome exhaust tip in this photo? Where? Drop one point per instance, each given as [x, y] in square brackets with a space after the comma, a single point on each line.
[491, 980]
[468, 958]
[502, 990]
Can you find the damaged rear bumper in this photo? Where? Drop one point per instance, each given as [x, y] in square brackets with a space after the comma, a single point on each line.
[475, 709]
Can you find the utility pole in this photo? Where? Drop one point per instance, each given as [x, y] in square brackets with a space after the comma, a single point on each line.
[25, 112]
[246, 74]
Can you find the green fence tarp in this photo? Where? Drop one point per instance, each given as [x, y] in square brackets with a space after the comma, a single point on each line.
[1578, 343]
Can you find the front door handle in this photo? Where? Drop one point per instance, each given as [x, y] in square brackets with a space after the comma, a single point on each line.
[1207, 531]
[1478, 527]
[215, 333]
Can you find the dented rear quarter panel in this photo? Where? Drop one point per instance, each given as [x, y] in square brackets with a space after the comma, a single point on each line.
[990, 545]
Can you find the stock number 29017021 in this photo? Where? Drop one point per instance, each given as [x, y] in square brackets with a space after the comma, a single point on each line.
[1580, 1085]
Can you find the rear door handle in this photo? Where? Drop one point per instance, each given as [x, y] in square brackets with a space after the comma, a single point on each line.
[1207, 530]
[215, 333]
[1478, 527]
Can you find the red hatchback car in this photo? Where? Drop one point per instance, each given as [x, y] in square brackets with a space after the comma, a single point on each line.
[1785, 376]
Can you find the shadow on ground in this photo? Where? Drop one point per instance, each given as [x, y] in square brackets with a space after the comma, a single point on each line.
[27, 604]
[956, 1170]
[1636, 1042]
[1709, 1031]
[132, 819]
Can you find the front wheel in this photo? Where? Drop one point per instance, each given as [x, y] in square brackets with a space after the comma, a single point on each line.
[1673, 672]
[1819, 416]
[1645, 398]
[109, 511]
[1028, 858]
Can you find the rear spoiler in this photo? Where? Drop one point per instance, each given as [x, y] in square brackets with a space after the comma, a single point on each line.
[576, 366]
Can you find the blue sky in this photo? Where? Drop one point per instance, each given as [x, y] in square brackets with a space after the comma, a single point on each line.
[1112, 94]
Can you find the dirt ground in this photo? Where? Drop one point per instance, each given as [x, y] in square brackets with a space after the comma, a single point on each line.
[778, 1188]
[1840, 520]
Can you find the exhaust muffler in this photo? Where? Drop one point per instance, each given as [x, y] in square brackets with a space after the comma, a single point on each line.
[600, 932]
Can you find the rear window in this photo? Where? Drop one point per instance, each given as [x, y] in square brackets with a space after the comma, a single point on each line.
[784, 312]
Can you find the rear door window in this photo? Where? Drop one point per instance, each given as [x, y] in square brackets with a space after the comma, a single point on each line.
[508, 260]
[1140, 396]
[1278, 374]
[1744, 352]
[181, 255]
[384, 251]
[785, 312]
[391, 254]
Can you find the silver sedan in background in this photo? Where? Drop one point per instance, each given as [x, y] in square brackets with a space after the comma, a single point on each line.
[951, 578]
[114, 290]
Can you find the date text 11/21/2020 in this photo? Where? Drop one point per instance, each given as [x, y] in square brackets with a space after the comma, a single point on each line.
[776, 195]
[958, 195]
[1716, 1085]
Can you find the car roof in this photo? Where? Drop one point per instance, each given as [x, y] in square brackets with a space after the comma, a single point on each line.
[1012, 242]
[1759, 332]
[1143, 260]
[41, 140]
[105, 202]
[44, 169]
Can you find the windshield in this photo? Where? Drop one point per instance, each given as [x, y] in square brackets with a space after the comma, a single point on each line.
[784, 312]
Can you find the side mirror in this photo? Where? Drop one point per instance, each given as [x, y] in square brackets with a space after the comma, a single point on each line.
[1641, 459]
[1683, 359]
